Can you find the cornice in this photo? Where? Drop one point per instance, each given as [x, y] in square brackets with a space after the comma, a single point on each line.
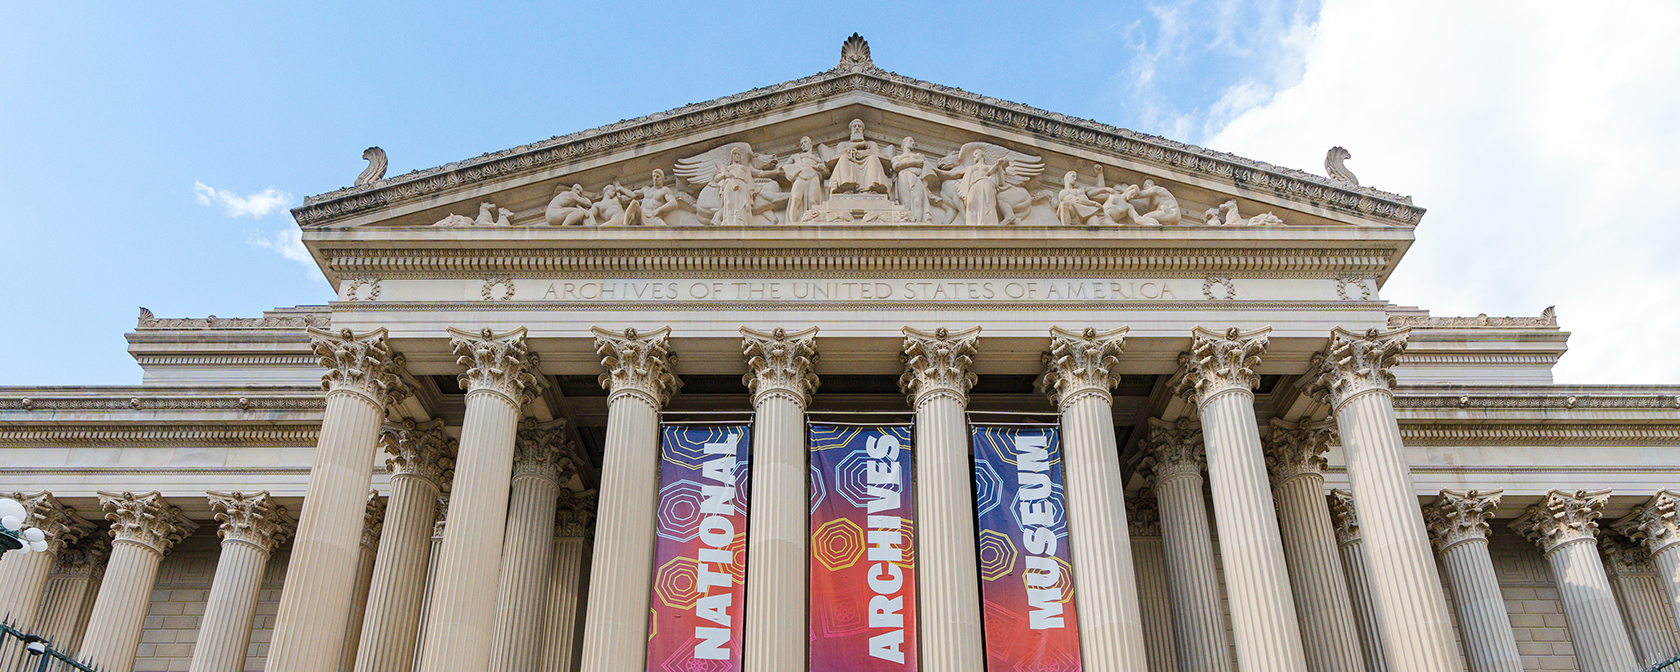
[920, 306]
[153, 399]
[198, 434]
[317, 317]
[1472, 399]
[1549, 434]
[1294, 185]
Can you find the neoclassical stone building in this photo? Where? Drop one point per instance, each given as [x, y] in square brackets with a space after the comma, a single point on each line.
[455, 465]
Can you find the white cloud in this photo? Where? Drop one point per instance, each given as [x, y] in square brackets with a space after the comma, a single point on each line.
[255, 206]
[1541, 137]
[288, 243]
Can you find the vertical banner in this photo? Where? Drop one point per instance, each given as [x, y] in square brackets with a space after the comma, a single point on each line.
[863, 565]
[1026, 577]
[700, 551]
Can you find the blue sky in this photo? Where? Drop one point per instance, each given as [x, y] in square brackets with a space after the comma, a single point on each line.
[114, 115]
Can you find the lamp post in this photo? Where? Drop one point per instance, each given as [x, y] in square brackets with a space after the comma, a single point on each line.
[13, 535]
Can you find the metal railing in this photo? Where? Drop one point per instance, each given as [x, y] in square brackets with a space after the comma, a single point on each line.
[23, 652]
[1672, 664]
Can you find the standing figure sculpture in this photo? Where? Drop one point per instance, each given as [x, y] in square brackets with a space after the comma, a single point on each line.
[857, 165]
[1072, 205]
[981, 181]
[912, 178]
[805, 172]
[656, 200]
[569, 207]
[737, 187]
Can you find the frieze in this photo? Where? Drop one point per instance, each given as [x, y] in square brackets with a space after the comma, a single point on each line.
[130, 436]
[1537, 401]
[317, 402]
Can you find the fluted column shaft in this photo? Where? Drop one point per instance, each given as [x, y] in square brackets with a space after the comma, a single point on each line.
[1364, 604]
[432, 554]
[1656, 524]
[564, 587]
[1198, 615]
[23, 573]
[1321, 590]
[528, 551]
[421, 460]
[251, 527]
[1667, 561]
[1589, 607]
[1458, 526]
[373, 524]
[144, 527]
[1154, 601]
[70, 589]
[1639, 594]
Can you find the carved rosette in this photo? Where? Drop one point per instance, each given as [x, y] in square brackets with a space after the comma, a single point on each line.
[253, 519]
[421, 450]
[441, 517]
[1355, 364]
[1172, 450]
[362, 364]
[1456, 517]
[1143, 514]
[1222, 362]
[541, 450]
[1623, 556]
[1080, 365]
[780, 362]
[936, 364]
[639, 365]
[373, 520]
[574, 514]
[1563, 518]
[499, 363]
[1344, 515]
[86, 558]
[148, 519]
[60, 523]
[1294, 450]
[1654, 523]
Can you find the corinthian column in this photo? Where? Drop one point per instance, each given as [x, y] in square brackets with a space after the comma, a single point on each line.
[1143, 520]
[1351, 541]
[1219, 377]
[1173, 463]
[639, 380]
[431, 576]
[780, 378]
[1657, 525]
[501, 378]
[1080, 371]
[23, 573]
[937, 380]
[1565, 527]
[1458, 526]
[361, 381]
[421, 459]
[1406, 587]
[573, 517]
[1295, 458]
[373, 523]
[70, 591]
[251, 527]
[540, 465]
[1639, 593]
[143, 528]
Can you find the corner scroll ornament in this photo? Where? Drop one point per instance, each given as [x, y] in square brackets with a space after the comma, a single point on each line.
[361, 364]
[1656, 524]
[1081, 364]
[1143, 514]
[638, 365]
[779, 362]
[499, 363]
[1563, 518]
[373, 519]
[376, 167]
[1356, 364]
[541, 450]
[574, 514]
[1456, 517]
[59, 522]
[1173, 450]
[1296, 449]
[252, 519]
[147, 519]
[936, 364]
[1345, 516]
[420, 450]
[1219, 363]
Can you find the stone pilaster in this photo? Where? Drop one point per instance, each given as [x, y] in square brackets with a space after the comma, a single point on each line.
[501, 378]
[1295, 458]
[640, 379]
[781, 380]
[251, 526]
[24, 574]
[421, 459]
[143, 528]
[1458, 526]
[1354, 379]
[1639, 593]
[541, 465]
[1350, 540]
[1565, 527]
[373, 525]
[1219, 378]
[1079, 372]
[937, 379]
[1143, 521]
[361, 381]
[71, 587]
[1657, 525]
[573, 518]
[1173, 464]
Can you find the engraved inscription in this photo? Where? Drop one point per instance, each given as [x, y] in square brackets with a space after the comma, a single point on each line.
[857, 290]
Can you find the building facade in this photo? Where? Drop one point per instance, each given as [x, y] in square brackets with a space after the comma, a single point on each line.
[464, 462]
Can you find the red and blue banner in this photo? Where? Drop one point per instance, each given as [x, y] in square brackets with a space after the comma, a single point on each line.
[863, 561]
[1026, 576]
[700, 551]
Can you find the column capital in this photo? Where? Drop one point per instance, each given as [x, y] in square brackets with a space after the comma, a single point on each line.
[638, 364]
[1080, 364]
[1654, 523]
[1293, 449]
[253, 519]
[1344, 515]
[146, 519]
[1456, 517]
[500, 363]
[421, 450]
[1563, 517]
[936, 363]
[1624, 556]
[1173, 449]
[86, 557]
[60, 522]
[574, 513]
[1143, 513]
[440, 518]
[1221, 361]
[1355, 364]
[373, 520]
[779, 362]
[362, 364]
[541, 450]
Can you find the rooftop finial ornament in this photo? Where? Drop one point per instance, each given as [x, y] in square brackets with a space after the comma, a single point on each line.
[854, 54]
[376, 166]
[1334, 168]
